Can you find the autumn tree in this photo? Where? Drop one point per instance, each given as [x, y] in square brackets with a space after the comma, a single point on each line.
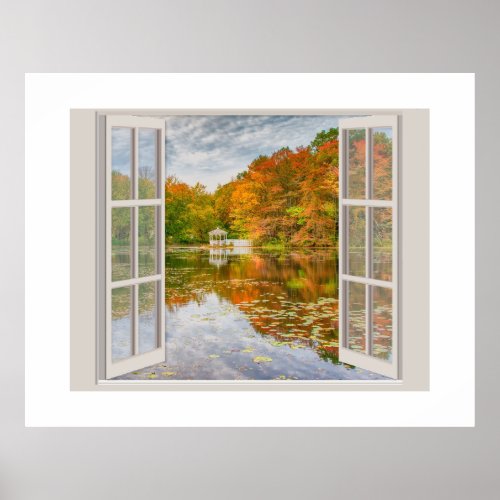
[201, 214]
[223, 204]
[323, 137]
[289, 197]
[178, 197]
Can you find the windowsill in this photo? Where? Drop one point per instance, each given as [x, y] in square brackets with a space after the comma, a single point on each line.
[237, 385]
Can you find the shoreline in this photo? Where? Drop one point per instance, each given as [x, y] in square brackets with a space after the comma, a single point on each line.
[264, 247]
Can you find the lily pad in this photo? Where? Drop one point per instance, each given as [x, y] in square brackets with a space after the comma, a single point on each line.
[262, 359]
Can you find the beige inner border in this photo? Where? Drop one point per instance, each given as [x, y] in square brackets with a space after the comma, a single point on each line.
[414, 256]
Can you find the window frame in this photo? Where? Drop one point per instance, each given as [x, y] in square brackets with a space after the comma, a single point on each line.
[86, 369]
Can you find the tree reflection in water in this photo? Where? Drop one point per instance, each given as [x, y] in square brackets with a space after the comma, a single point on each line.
[241, 313]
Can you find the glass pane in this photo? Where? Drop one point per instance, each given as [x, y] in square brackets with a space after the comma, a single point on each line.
[382, 244]
[147, 317]
[382, 323]
[356, 238]
[121, 324]
[147, 241]
[356, 164]
[382, 163]
[356, 327]
[121, 244]
[147, 163]
[121, 163]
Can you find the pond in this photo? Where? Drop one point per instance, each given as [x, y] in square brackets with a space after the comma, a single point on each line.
[249, 314]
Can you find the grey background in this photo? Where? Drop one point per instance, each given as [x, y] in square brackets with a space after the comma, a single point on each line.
[249, 36]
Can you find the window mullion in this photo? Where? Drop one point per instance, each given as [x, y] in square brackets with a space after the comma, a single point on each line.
[160, 236]
[344, 240]
[368, 242]
[135, 243]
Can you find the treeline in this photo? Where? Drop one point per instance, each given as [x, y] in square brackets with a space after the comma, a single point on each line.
[289, 197]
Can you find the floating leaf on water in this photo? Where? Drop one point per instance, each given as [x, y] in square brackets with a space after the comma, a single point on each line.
[168, 374]
[213, 356]
[152, 375]
[262, 359]
[330, 344]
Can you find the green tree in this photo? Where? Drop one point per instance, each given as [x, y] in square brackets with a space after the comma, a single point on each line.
[178, 196]
[323, 137]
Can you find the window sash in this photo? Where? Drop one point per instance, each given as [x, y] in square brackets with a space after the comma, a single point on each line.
[137, 360]
[365, 359]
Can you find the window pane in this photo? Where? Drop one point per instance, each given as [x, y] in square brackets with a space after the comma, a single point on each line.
[382, 323]
[382, 163]
[356, 164]
[147, 317]
[147, 241]
[147, 163]
[382, 244]
[121, 243]
[356, 327]
[121, 325]
[121, 163]
[356, 237]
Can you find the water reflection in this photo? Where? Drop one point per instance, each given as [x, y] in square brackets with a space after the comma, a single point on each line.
[241, 313]
[218, 257]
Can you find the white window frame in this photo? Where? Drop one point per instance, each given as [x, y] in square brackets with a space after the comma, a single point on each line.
[157, 355]
[367, 360]
[87, 214]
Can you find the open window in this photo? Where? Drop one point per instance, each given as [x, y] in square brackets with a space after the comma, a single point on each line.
[134, 262]
[368, 257]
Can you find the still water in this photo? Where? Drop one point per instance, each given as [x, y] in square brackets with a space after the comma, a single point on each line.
[248, 314]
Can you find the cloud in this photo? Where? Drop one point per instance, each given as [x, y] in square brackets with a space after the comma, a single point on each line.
[121, 142]
[212, 149]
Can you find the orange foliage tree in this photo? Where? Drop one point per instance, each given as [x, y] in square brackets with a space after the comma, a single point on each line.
[289, 197]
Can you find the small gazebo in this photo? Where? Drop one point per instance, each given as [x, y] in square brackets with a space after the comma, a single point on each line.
[217, 237]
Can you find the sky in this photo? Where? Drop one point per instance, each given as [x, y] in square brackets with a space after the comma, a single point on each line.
[212, 149]
[121, 140]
